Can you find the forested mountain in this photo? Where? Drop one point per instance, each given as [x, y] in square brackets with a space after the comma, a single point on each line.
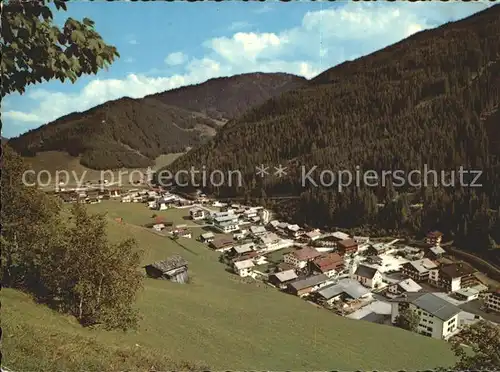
[132, 132]
[430, 99]
[229, 97]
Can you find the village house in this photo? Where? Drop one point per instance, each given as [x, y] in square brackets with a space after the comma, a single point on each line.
[240, 234]
[197, 214]
[407, 285]
[330, 265]
[222, 244]
[294, 231]
[435, 252]
[161, 206]
[347, 247]
[253, 256]
[114, 193]
[312, 235]
[207, 237]
[126, 199]
[305, 286]
[257, 230]
[283, 278]
[434, 238]
[377, 249]
[173, 269]
[361, 239]
[184, 233]
[158, 226]
[270, 241]
[338, 236]
[242, 249]
[438, 317]
[273, 224]
[226, 224]
[470, 293]
[345, 290]
[243, 268]
[453, 277]
[418, 270]
[368, 276]
[251, 213]
[282, 228]
[300, 257]
[282, 266]
[492, 302]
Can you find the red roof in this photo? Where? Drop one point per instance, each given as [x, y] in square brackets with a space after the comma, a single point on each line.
[347, 243]
[306, 253]
[329, 262]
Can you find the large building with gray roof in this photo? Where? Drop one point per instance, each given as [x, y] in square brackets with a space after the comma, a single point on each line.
[438, 317]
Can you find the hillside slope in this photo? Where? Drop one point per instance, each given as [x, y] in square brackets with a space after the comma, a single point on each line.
[424, 100]
[131, 133]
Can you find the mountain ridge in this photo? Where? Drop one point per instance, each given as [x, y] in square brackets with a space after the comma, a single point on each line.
[131, 133]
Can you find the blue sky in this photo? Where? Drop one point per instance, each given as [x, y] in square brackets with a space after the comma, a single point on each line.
[164, 45]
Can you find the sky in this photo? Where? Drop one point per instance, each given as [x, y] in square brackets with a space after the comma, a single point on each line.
[164, 45]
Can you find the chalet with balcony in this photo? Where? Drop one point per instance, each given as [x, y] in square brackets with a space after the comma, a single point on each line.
[418, 270]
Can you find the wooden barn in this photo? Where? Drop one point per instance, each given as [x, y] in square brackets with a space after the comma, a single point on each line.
[173, 268]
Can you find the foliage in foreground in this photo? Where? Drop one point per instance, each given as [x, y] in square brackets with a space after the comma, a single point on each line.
[484, 339]
[66, 262]
[408, 320]
[34, 49]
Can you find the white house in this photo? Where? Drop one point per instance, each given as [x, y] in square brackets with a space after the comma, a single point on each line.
[438, 318]
[407, 285]
[258, 230]
[250, 213]
[197, 214]
[243, 268]
[161, 206]
[158, 226]
[368, 276]
[313, 235]
[241, 234]
[226, 224]
[270, 241]
[207, 237]
[361, 239]
[294, 230]
[126, 199]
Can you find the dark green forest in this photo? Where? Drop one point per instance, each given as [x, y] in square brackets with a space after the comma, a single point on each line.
[430, 99]
[131, 133]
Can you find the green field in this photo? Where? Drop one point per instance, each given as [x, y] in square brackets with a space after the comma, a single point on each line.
[218, 320]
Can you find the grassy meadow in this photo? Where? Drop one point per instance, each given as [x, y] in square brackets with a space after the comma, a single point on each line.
[218, 320]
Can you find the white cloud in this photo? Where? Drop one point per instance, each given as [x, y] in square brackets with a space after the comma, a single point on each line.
[22, 117]
[176, 58]
[129, 60]
[324, 38]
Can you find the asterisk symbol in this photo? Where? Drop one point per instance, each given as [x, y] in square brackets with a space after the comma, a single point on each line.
[280, 171]
[262, 170]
